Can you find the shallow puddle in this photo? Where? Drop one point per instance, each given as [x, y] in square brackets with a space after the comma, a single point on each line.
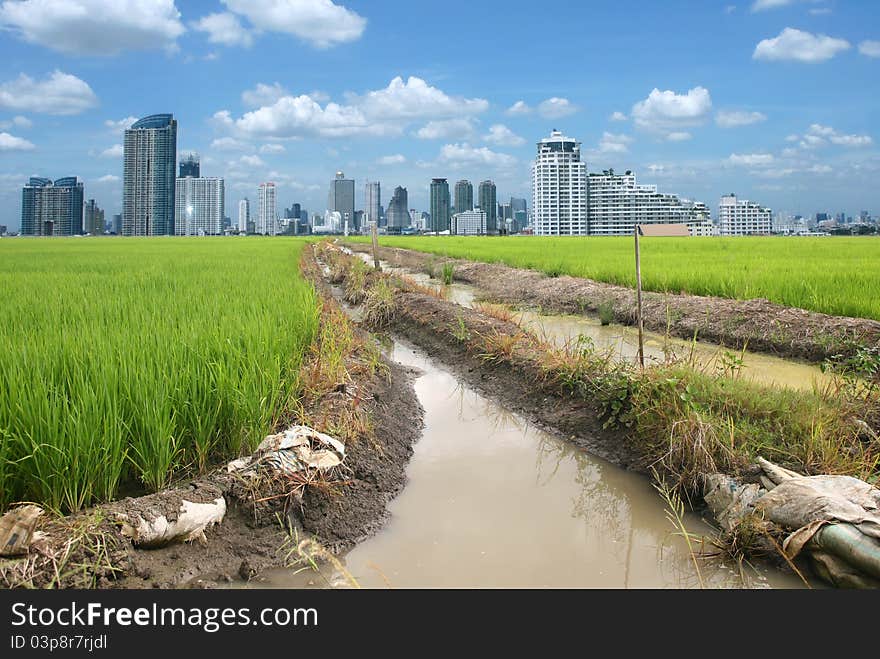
[493, 502]
[623, 341]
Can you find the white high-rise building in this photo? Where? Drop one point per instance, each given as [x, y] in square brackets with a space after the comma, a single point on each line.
[199, 206]
[244, 215]
[267, 217]
[559, 188]
[469, 223]
[617, 203]
[741, 217]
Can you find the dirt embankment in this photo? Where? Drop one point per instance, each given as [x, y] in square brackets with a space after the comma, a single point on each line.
[371, 406]
[758, 324]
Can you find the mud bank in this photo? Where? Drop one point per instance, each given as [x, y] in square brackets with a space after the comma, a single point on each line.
[373, 408]
[757, 324]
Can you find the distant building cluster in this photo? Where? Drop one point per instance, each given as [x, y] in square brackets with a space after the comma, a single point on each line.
[162, 196]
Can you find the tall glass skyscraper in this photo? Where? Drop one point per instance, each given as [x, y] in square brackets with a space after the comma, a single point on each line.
[52, 209]
[398, 210]
[439, 205]
[150, 164]
[464, 196]
[489, 203]
[373, 202]
[341, 200]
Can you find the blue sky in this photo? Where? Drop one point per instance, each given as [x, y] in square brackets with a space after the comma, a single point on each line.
[776, 100]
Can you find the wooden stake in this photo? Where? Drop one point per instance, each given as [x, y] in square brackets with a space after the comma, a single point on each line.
[375, 232]
[639, 299]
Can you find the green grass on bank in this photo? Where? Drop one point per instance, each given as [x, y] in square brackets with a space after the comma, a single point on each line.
[834, 275]
[130, 360]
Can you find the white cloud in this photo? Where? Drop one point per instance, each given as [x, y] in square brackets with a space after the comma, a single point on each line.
[320, 22]
[376, 113]
[263, 94]
[501, 135]
[228, 144]
[251, 161]
[446, 129]
[678, 136]
[94, 27]
[12, 143]
[799, 46]
[22, 122]
[667, 111]
[751, 159]
[821, 11]
[870, 48]
[396, 159]
[518, 108]
[556, 108]
[60, 93]
[820, 169]
[115, 151]
[224, 28]
[611, 143]
[464, 154]
[618, 116]
[818, 135]
[763, 5]
[120, 126]
[272, 148]
[415, 98]
[109, 178]
[733, 119]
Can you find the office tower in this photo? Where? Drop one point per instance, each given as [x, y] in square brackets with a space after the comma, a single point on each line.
[398, 212]
[149, 177]
[616, 203]
[373, 202]
[189, 166]
[341, 200]
[93, 219]
[244, 215]
[439, 205]
[487, 194]
[469, 223]
[741, 217]
[267, 222]
[200, 206]
[464, 196]
[116, 228]
[559, 187]
[52, 209]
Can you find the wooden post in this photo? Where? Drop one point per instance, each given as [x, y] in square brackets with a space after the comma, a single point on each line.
[374, 231]
[639, 299]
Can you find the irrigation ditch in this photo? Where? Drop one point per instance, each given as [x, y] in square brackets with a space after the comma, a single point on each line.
[759, 325]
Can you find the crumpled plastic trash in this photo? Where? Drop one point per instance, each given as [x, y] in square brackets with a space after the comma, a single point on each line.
[296, 449]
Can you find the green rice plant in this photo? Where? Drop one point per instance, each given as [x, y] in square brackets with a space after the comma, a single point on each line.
[834, 275]
[447, 273]
[127, 362]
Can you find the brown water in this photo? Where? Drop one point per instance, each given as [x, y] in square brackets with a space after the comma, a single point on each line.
[494, 502]
[622, 341]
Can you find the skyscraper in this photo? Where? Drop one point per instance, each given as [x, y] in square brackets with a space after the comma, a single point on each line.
[149, 176]
[398, 211]
[244, 215]
[373, 202]
[488, 202]
[267, 223]
[189, 166]
[464, 196]
[559, 188]
[93, 219]
[341, 200]
[200, 206]
[52, 209]
[439, 205]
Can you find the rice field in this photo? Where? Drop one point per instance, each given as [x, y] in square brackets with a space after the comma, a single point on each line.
[126, 362]
[833, 275]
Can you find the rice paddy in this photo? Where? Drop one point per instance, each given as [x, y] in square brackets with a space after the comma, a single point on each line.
[834, 275]
[126, 362]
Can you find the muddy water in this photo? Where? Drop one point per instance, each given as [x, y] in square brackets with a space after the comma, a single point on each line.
[493, 502]
[622, 341]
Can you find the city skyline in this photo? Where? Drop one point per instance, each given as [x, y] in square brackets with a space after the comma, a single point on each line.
[775, 104]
